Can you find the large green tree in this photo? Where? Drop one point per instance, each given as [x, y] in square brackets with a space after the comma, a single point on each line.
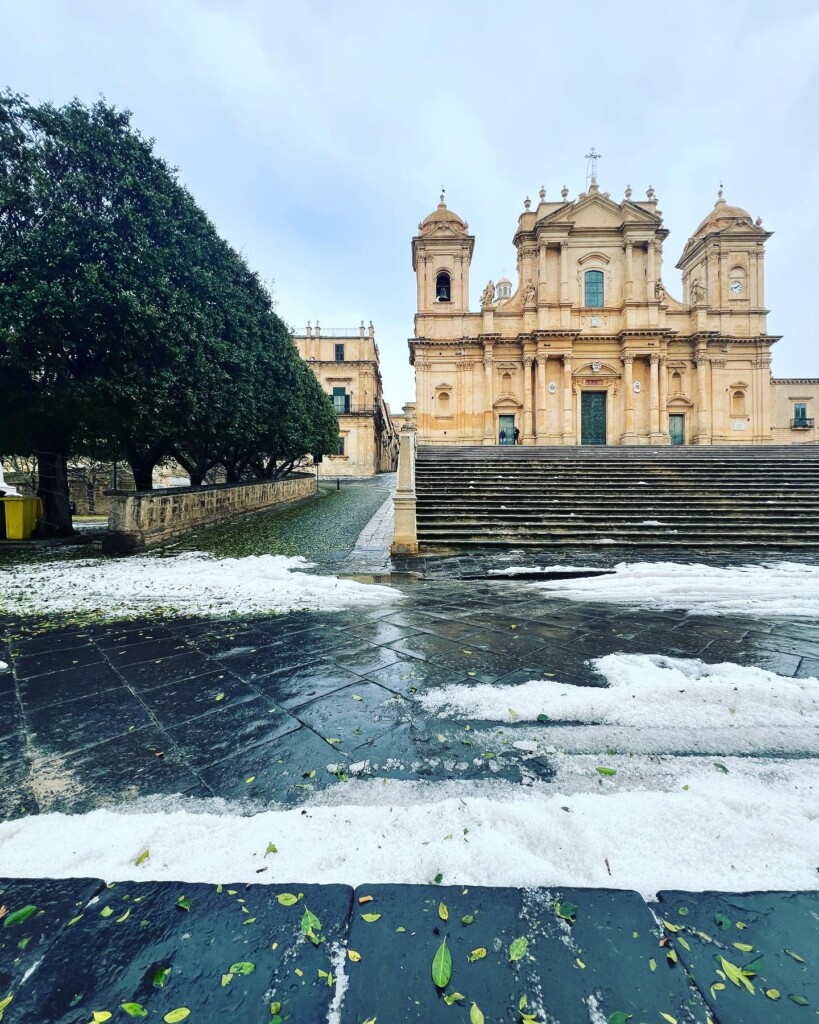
[127, 325]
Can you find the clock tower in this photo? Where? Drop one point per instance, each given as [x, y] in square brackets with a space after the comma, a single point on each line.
[723, 269]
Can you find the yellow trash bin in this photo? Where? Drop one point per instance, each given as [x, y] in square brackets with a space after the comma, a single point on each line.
[21, 516]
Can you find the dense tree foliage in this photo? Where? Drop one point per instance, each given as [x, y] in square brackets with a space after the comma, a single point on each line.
[128, 327]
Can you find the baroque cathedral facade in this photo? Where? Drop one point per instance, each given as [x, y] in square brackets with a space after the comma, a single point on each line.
[590, 347]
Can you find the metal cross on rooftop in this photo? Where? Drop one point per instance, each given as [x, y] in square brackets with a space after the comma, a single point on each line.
[591, 165]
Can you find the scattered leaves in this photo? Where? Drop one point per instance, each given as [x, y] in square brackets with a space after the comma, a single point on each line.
[287, 899]
[161, 975]
[454, 997]
[475, 1015]
[183, 903]
[353, 955]
[477, 954]
[566, 910]
[608, 772]
[443, 911]
[23, 914]
[271, 848]
[146, 853]
[370, 918]
[174, 1016]
[720, 767]
[134, 1009]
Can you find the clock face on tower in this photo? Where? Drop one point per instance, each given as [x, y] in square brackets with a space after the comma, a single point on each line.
[736, 287]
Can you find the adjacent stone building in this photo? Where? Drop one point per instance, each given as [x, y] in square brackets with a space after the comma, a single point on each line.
[346, 362]
[590, 347]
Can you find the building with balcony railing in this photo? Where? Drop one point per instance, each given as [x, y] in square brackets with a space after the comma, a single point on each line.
[346, 362]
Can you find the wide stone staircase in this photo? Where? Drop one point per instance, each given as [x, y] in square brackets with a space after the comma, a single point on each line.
[723, 497]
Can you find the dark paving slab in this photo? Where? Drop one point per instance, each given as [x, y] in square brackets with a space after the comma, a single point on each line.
[354, 715]
[57, 728]
[69, 684]
[146, 650]
[139, 763]
[770, 940]
[144, 675]
[569, 972]
[247, 724]
[43, 908]
[294, 687]
[233, 953]
[184, 699]
[29, 665]
[286, 770]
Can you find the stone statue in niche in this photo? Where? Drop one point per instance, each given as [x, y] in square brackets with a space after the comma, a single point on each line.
[697, 293]
[659, 290]
[488, 294]
[528, 294]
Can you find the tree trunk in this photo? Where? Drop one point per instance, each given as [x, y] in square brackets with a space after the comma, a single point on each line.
[52, 490]
[142, 463]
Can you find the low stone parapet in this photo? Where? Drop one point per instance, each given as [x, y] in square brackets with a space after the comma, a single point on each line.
[141, 519]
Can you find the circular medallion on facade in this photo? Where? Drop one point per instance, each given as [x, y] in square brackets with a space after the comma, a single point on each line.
[595, 321]
[552, 387]
[596, 367]
[636, 386]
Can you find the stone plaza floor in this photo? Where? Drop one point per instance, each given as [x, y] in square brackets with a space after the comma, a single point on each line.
[315, 712]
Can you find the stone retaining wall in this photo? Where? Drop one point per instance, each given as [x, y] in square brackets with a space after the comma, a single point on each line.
[140, 519]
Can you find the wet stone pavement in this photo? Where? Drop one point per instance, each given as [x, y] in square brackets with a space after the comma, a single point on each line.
[270, 710]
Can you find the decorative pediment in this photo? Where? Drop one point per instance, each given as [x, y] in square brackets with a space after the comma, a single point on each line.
[506, 401]
[595, 257]
[443, 387]
[596, 368]
[679, 402]
[739, 384]
[595, 209]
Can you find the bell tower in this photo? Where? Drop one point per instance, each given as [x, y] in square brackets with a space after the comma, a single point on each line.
[441, 255]
[723, 264]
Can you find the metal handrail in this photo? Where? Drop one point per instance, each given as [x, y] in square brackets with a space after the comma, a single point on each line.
[802, 423]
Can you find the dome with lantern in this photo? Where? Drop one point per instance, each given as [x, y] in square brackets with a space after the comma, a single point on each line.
[503, 289]
[442, 217]
[723, 217]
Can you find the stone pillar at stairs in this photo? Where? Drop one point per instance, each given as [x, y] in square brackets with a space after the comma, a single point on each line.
[540, 393]
[489, 401]
[568, 408]
[628, 436]
[654, 397]
[703, 432]
[528, 413]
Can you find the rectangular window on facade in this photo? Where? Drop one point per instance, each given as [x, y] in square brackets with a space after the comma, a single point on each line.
[800, 411]
[593, 289]
[339, 353]
[341, 400]
[340, 446]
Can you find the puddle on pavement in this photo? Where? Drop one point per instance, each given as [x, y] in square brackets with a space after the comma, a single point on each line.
[540, 576]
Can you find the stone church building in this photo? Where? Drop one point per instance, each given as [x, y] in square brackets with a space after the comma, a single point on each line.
[590, 347]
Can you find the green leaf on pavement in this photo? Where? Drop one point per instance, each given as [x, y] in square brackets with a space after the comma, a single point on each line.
[442, 966]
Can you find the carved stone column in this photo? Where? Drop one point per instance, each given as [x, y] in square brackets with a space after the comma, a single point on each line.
[664, 400]
[628, 400]
[650, 272]
[541, 274]
[528, 419]
[489, 399]
[540, 392]
[703, 435]
[654, 397]
[629, 247]
[568, 409]
[564, 271]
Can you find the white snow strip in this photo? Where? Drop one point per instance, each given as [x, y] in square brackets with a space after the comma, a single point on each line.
[514, 570]
[739, 831]
[192, 583]
[4, 667]
[770, 589]
[644, 690]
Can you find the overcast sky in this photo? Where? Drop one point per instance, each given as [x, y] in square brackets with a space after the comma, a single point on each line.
[318, 134]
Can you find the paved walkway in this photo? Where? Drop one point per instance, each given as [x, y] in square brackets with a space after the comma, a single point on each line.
[274, 711]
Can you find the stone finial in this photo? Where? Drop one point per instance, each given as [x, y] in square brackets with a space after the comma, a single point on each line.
[542, 193]
[650, 193]
[565, 193]
[719, 193]
[443, 195]
[628, 192]
[527, 202]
